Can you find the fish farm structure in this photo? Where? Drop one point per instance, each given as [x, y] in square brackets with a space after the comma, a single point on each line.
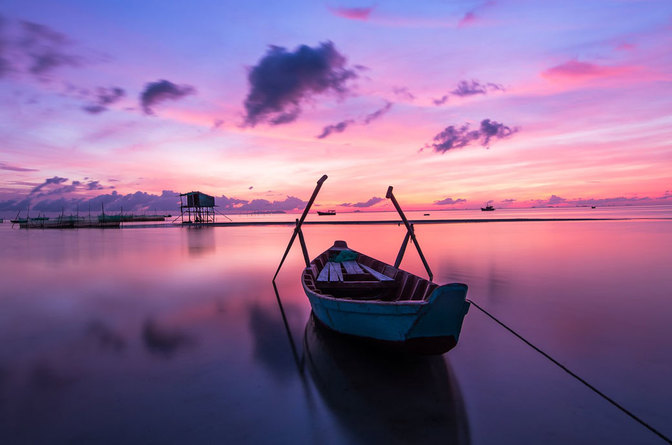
[197, 208]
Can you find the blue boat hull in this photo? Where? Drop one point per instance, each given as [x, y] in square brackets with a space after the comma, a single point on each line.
[431, 327]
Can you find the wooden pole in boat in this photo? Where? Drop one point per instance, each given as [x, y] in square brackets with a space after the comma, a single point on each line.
[297, 230]
[391, 197]
[402, 250]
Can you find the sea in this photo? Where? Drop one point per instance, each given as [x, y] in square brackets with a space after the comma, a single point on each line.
[164, 333]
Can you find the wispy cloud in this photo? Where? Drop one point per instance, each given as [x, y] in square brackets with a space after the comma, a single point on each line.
[450, 201]
[473, 15]
[371, 202]
[353, 13]
[104, 97]
[335, 128]
[376, 114]
[403, 93]
[14, 168]
[45, 49]
[466, 88]
[341, 126]
[574, 69]
[283, 80]
[50, 181]
[452, 137]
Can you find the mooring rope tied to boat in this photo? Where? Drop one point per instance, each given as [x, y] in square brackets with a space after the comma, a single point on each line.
[576, 376]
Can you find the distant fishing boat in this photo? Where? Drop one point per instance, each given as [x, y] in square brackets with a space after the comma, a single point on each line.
[355, 294]
[326, 212]
[488, 208]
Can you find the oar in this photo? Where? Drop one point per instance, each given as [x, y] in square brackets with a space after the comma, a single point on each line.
[411, 232]
[300, 221]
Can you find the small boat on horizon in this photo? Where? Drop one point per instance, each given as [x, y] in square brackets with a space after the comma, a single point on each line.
[488, 208]
[326, 212]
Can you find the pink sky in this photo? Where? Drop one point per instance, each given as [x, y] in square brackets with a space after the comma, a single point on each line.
[512, 102]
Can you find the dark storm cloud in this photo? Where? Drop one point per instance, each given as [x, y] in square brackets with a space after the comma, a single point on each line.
[160, 91]
[335, 128]
[452, 137]
[50, 181]
[103, 98]
[371, 202]
[14, 168]
[376, 114]
[283, 80]
[450, 201]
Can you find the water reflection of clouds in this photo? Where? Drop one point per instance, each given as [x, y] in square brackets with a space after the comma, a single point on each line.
[106, 337]
[164, 341]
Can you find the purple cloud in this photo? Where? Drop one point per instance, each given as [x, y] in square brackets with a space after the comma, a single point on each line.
[289, 203]
[451, 137]
[341, 126]
[45, 48]
[403, 93]
[440, 101]
[465, 88]
[93, 185]
[49, 181]
[373, 201]
[13, 168]
[160, 91]
[283, 80]
[450, 201]
[103, 98]
[335, 128]
[376, 114]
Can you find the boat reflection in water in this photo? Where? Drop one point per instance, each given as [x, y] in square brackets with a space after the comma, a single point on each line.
[381, 397]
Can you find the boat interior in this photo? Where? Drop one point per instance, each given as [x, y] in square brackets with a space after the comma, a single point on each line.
[362, 277]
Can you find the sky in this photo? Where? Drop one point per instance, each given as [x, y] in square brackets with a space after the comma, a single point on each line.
[454, 103]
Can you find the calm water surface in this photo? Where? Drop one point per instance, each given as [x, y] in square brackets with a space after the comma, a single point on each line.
[174, 335]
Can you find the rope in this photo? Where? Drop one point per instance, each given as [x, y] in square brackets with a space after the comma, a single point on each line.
[568, 371]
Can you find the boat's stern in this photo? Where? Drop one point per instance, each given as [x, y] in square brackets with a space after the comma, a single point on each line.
[444, 314]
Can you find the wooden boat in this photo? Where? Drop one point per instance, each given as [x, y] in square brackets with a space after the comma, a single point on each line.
[488, 208]
[367, 298]
[326, 212]
[357, 295]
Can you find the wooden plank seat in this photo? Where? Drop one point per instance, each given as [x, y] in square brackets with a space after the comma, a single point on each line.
[350, 274]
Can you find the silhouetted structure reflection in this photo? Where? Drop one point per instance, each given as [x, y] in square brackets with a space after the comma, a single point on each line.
[201, 240]
[385, 398]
